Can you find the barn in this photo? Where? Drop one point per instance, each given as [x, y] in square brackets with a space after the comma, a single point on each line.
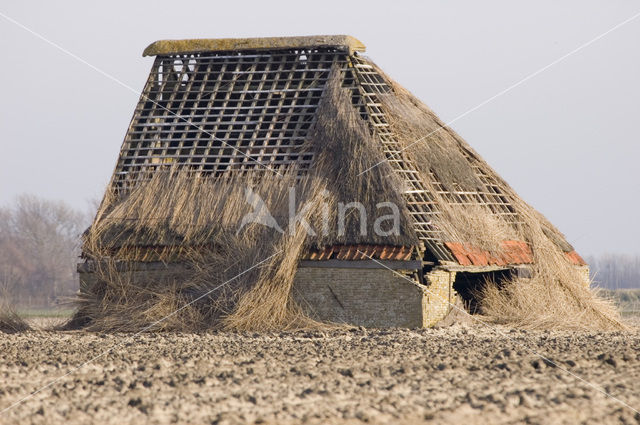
[274, 182]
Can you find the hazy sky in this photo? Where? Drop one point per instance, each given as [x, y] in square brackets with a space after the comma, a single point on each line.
[567, 140]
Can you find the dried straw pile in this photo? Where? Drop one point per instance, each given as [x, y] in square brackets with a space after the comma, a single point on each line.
[200, 227]
[10, 321]
[194, 220]
[177, 216]
[556, 296]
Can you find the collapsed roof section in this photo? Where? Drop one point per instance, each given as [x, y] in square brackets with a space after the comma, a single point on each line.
[249, 107]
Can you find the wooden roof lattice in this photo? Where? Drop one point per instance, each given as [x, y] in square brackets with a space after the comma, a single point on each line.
[239, 106]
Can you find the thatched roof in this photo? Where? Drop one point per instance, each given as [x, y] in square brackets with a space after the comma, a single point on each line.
[218, 117]
[232, 113]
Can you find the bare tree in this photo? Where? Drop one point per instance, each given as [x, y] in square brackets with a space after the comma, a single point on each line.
[615, 271]
[39, 245]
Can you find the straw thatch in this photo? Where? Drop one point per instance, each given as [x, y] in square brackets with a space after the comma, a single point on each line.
[178, 216]
[10, 320]
[346, 151]
[556, 295]
[203, 226]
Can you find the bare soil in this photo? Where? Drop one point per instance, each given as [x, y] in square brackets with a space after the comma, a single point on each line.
[460, 374]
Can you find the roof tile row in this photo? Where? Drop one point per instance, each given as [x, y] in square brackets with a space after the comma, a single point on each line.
[361, 252]
[513, 252]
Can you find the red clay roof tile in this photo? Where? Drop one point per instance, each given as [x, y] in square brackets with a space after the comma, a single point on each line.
[513, 252]
[360, 252]
[575, 258]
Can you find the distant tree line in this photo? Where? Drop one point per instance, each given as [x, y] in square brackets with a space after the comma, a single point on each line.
[615, 271]
[40, 245]
[39, 248]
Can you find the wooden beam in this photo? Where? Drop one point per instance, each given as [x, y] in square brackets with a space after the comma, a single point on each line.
[363, 264]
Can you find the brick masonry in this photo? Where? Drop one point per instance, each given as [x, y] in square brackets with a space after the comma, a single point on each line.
[438, 296]
[373, 297]
[361, 297]
[139, 273]
[357, 296]
[584, 273]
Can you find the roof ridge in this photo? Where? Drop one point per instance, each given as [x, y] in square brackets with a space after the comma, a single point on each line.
[167, 47]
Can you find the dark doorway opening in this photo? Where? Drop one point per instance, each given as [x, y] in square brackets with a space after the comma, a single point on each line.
[469, 286]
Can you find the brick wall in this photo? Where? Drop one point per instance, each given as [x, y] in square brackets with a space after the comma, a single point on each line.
[139, 273]
[362, 297]
[357, 296]
[584, 273]
[437, 297]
